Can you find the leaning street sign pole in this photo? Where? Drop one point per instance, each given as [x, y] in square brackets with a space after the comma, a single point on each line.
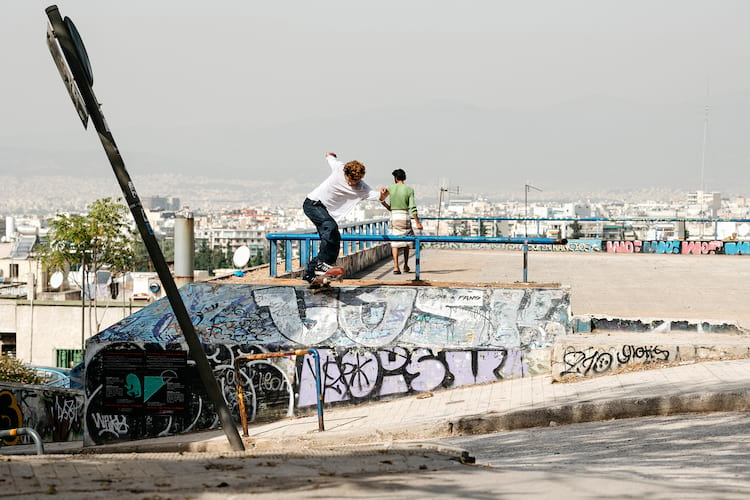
[72, 61]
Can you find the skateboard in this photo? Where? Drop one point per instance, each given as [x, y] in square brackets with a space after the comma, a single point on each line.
[323, 282]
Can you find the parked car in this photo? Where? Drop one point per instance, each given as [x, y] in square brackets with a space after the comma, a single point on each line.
[53, 376]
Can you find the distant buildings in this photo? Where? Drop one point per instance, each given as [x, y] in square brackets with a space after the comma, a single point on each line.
[703, 204]
[165, 203]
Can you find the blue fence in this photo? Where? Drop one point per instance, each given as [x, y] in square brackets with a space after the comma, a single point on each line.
[305, 242]
[363, 235]
[308, 245]
[482, 220]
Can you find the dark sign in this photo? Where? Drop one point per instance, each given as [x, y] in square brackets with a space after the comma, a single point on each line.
[143, 381]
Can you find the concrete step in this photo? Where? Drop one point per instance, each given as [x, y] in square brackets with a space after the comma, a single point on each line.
[606, 352]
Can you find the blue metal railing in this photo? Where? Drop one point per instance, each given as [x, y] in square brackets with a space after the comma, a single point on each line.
[703, 220]
[307, 240]
[363, 235]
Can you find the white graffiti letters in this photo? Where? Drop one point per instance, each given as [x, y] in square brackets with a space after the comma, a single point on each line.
[116, 425]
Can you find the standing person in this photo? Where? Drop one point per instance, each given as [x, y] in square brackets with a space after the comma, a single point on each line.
[329, 203]
[403, 208]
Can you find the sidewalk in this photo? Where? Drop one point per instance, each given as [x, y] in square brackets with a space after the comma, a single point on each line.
[511, 404]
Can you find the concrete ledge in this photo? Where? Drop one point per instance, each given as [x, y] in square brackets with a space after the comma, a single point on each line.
[661, 325]
[587, 355]
[605, 410]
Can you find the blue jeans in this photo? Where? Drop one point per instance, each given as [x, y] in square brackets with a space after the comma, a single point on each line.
[330, 238]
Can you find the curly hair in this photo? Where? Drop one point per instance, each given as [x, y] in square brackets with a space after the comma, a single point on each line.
[354, 170]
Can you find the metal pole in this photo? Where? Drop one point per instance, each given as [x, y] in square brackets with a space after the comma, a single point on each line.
[83, 303]
[417, 257]
[78, 65]
[25, 431]
[299, 352]
[318, 388]
[525, 209]
[525, 261]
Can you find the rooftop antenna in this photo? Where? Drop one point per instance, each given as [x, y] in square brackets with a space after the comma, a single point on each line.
[703, 157]
[526, 188]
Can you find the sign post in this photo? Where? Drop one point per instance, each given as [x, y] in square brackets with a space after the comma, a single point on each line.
[72, 61]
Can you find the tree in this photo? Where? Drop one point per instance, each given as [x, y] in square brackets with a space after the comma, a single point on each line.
[12, 370]
[99, 239]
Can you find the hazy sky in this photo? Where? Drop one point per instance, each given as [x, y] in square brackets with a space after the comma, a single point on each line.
[566, 94]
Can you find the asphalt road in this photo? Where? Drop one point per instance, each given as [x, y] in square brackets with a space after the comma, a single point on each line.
[686, 456]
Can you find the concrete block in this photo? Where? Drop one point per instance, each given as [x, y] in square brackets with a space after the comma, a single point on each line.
[375, 342]
[604, 353]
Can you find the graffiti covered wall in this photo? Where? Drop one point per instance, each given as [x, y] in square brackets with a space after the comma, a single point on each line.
[55, 413]
[679, 247]
[375, 342]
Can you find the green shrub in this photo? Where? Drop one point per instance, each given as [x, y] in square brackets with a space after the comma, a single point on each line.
[13, 370]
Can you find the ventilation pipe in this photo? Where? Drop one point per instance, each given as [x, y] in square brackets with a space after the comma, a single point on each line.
[184, 248]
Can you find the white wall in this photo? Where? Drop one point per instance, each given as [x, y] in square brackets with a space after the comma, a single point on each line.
[56, 325]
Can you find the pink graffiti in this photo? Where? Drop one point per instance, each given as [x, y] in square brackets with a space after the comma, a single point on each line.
[624, 246]
[701, 247]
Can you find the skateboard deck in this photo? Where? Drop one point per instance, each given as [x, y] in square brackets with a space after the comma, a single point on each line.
[324, 281]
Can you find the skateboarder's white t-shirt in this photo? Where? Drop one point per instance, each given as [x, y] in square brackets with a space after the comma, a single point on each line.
[337, 195]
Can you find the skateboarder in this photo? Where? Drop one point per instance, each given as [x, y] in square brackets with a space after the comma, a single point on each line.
[403, 208]
[328, 204]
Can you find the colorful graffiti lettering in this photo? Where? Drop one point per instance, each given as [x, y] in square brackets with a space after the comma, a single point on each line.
[11, 416]
[678, 247]
[356, 375]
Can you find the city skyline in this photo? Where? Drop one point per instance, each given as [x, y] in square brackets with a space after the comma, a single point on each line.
[581, 96]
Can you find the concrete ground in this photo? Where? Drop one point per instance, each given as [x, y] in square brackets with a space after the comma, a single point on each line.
[314, 464]
[291, 457]
[705, 287]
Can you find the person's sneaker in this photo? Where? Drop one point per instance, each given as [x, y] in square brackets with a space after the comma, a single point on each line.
[322, 268]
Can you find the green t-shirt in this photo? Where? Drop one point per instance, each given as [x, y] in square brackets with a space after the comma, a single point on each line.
[401, 197]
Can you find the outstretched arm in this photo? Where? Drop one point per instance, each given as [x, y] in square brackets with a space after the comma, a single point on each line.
[334, 162]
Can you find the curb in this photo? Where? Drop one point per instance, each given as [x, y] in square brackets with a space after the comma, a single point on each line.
[699, 402]
[404, 439]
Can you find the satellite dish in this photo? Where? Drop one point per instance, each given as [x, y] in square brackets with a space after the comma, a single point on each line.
[743, 229]
[56, 280]
[241, 256]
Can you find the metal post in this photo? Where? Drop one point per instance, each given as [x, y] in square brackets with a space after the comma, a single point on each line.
[266, 355]
[25, 431]
[417, 257]
[525, 260]
[83, 302]
[272, 258]
[318, 388]
[304, 253]
[77, 66]
[288, 255]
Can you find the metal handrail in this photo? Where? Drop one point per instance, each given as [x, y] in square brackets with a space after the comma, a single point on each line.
[25, 431]
[308, 242]
[265, 355]
[417, 240]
